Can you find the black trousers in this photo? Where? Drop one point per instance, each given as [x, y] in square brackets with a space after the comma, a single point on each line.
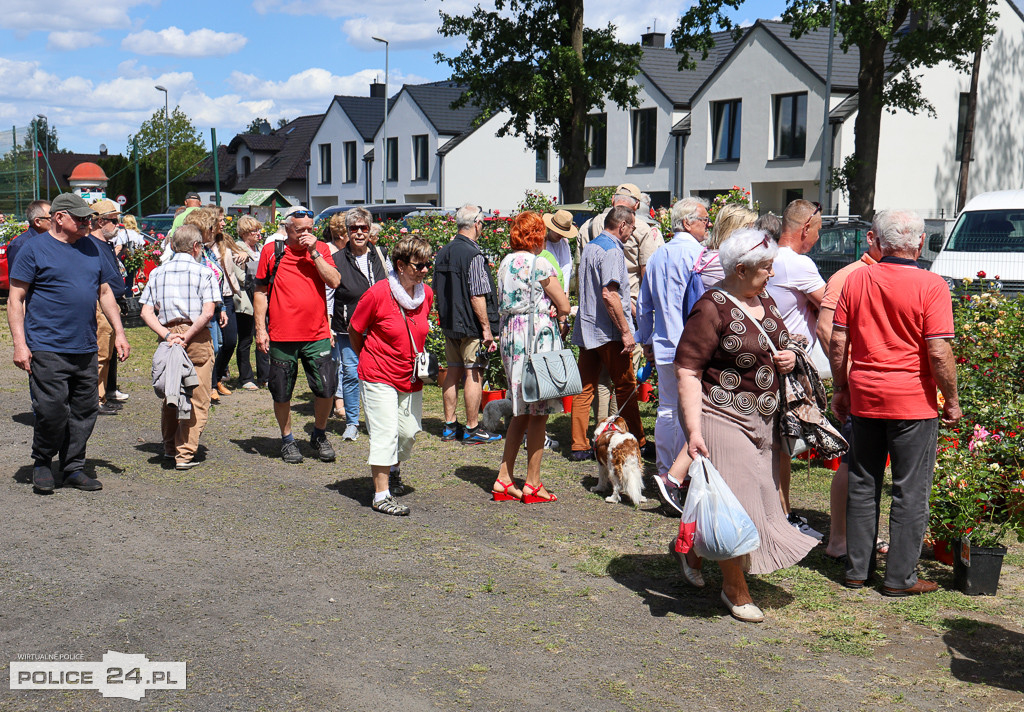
[229, 337]
[246, 336]
[66, 396]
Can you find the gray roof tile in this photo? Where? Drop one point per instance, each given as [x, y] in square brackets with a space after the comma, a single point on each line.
[661, 66]
[435, 100]
[365, 112]
[290, 161]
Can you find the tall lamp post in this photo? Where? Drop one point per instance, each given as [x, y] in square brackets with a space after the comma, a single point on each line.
[46, 138]
[167, 147]
[824, 194]
[387, 159]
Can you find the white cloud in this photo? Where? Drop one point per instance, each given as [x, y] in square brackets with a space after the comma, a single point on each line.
[55, 15]
[176, 42]
[72, 40]
[316, 85]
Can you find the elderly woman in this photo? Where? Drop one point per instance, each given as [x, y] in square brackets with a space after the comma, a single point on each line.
[526, 285]
[232, 259]
[387, 329]
[729, 398]
[731, 218]
[360, 268]
[209, 225]
[250, 234]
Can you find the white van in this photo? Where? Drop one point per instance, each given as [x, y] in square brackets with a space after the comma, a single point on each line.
[988, 237]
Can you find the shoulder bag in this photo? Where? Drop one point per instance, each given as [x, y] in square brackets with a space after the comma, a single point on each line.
[424, 366]
[548, 374]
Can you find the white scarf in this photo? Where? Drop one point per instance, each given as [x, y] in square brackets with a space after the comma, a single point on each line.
[402, 297]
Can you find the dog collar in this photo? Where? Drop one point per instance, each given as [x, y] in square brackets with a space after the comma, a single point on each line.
[608, 426]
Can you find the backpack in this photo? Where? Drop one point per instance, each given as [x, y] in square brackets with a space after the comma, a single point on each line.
[279, 247]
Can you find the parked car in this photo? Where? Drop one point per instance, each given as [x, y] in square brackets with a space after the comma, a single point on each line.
[842, 241]
[988, 238]
[157, 224]
[581, 212]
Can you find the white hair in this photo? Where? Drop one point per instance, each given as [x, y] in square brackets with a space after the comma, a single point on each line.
[746, 247]
[685, 210]
[897, 231]
[467, 215]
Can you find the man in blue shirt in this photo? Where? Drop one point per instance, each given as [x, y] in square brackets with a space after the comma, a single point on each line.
[38, 214]
[51, 311]
[661, 315]
[604, 329]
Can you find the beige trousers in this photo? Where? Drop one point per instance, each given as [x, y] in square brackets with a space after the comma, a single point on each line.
[181, 437]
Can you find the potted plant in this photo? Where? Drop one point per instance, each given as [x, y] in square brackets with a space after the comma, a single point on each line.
[976, 504]
[495, 382]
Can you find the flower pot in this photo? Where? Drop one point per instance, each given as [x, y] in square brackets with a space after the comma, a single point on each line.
[489, 396]
[976, 569]
[644, 393]
[943, 551]
[567, 404]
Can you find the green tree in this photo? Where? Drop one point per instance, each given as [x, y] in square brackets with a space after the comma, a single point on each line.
[187, 150]
[895, 38]
[44, 131]
[255, 126]
[535, 59]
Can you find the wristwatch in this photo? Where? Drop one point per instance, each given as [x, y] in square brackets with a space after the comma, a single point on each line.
[313, 254]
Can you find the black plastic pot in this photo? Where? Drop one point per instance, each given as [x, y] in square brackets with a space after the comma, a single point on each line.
[980, 575]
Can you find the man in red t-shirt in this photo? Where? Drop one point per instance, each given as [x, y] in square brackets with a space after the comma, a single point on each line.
[292, 279]
[897, 320]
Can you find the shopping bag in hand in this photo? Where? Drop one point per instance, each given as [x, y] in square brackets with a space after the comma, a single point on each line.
[723, 528]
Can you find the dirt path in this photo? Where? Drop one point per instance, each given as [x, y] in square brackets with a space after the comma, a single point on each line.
[283, 591]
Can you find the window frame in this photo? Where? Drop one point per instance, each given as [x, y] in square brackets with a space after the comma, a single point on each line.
[391, 158]
[542, 157]
[799, 142]
[324, 153]
[597, 137]
[734, 129]
[351, 158]
[421, 157]
[645, 137]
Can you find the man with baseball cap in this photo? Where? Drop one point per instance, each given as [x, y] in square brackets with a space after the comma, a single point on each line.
[104, 229]
[51, 311]
[192, 200]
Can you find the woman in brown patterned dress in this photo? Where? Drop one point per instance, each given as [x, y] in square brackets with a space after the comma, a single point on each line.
[729, 398]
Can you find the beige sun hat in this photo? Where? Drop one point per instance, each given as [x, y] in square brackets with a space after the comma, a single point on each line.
[561, 222]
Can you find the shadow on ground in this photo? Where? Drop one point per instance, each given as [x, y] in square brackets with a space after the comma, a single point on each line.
[985, 654]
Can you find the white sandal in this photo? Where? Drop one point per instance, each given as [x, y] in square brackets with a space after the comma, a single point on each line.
[748, 612]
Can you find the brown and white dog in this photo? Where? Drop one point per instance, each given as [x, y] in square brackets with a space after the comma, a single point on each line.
[618, 462]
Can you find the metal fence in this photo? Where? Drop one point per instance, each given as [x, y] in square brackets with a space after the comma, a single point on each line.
[18, 178]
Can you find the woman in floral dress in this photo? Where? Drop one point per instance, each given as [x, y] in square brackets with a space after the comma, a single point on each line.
[520, 271]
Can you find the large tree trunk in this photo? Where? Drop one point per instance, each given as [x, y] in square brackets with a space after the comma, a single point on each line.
[967, 150]
[867, 127]
[572, 147]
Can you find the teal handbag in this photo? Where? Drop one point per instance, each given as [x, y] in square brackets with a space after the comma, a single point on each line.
[548, 374]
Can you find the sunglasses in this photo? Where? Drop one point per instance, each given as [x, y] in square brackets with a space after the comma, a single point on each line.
[817, 209]
[359, 228]
[763, 243]
[107, 220]
[421, 265]
[301, 213]
[81, 221]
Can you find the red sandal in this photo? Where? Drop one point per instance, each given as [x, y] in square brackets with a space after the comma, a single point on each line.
[533, 497]
[503, 494]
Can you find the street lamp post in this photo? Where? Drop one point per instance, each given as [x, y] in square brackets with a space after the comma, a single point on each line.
[386, 158]
[824, 194]
[46, 138]
[167, 147]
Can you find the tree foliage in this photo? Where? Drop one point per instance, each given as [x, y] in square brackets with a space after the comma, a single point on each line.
[894, 39]
[256, 126]
[46, 136]
[535, 59]
[187, 149]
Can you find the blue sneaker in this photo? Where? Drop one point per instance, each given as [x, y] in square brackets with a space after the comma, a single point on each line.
[452, 431]
[476, 436]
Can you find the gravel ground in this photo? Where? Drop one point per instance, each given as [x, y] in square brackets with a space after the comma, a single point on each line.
[282, 590]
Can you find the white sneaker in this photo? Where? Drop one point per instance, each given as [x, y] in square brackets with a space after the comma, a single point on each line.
[801, 525]
[351, 432]
[119, 396]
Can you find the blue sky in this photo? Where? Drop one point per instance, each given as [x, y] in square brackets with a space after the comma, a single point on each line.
[91, 67]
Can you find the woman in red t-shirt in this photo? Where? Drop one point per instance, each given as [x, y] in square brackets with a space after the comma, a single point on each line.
[388, 328]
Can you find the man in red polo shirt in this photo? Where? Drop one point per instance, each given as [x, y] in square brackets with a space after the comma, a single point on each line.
[897, 320]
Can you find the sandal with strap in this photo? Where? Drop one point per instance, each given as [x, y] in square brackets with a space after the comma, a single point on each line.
[500, 492]
[531, 497]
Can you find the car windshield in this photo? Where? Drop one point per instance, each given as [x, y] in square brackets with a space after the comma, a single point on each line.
[841, 241]
[988, 231]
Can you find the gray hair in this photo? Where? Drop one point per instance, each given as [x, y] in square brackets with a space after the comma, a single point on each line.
[467, 215]
[185, 237]
[685, 210]
[618, 215]
[770, 223]
[36, 209]
[356, 214]
[897, 231]
[625, 200]
[746, 247]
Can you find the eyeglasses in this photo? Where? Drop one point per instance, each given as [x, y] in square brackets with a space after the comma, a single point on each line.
[763, 243]
[301, 214]
[44, 217]
[81, 221]
[359, 228]
[419, 266]
[106, 220]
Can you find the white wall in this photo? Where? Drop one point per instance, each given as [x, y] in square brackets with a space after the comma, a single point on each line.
[406, 120]
[336, 129]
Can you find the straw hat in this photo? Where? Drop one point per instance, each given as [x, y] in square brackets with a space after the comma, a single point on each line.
[561, 222]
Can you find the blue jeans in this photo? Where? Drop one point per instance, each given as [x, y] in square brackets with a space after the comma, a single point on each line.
[214, 327]
[348, 380]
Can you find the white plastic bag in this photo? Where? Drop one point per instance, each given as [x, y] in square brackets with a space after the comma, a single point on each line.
[722, 530]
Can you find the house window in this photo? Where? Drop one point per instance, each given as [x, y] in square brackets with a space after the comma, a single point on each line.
[790, 125]
[349, 147]
[961, 125]
[645, 132]
[246, 166]
[725, 130]
[392, 162]
[542, 165]
[597, 140]
[419, 157]
[325, 163]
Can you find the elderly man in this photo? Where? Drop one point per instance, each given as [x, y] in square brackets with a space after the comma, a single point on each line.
[467, 307]
[177, 304]
[38, 214]
[604, 329]
[290, 285]
[897, 321]
[104, 229]
[661, 315]
[51, 311]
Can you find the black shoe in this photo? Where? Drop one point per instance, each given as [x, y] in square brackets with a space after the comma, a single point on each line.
[323, 448]
[290, 453]
[581, 455]
[42, 478]
[649, 452]
[452, 431]
[113, 404]
[107, 409]
[395, 484]
[82, 481]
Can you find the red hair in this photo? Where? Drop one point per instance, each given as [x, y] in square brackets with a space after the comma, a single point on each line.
[528, 231]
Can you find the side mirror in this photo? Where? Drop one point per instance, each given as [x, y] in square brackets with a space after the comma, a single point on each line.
[935, 242]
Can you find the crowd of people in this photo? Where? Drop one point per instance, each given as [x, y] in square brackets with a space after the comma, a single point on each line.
[721, 313]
